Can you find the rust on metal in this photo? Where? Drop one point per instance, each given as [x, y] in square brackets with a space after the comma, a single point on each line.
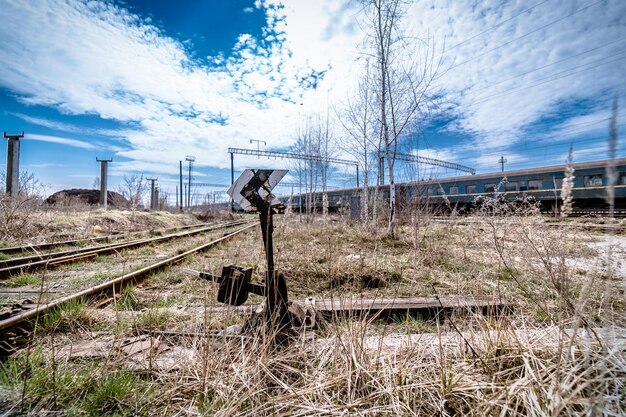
[30, 263]
[15, 329]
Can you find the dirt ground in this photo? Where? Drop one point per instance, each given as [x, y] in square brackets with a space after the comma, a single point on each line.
[163, 349]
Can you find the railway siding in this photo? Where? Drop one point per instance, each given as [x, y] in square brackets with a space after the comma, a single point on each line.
[14, 330]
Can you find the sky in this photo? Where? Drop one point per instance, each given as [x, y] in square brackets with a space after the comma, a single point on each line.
[150, 82]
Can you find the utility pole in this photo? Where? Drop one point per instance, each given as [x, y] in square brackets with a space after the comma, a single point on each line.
[232, 179]
[190, 159]
[103, 181]
[502, 161]
[13, 163]
[258, 144]
[180, 188]
[153, 199]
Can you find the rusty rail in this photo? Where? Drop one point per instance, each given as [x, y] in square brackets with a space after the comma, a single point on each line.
[9, 267]
[15, 328]
[10, 250]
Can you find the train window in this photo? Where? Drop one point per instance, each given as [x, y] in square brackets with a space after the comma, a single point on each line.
[511, 186]
[622, 179]
[470, 189]
[592, 180]
[490, 188]
[535, 184]
[557, 183]
[522, 186]
[454, 190]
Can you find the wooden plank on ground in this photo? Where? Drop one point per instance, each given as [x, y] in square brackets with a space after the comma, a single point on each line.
[403, 304]
[373, 305]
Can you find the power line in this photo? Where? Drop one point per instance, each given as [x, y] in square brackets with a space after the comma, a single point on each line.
[525, 35]
[559, 134]
[547, 146]
[497, 26]
[555, 135]
[598, 139]
[548, 79]
[473, 90]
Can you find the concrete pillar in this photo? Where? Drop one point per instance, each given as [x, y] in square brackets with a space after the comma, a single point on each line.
[103, 181]
[13, 164]
[153, 199]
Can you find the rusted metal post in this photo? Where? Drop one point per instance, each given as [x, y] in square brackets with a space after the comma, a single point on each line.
[232, 179]
[13, 164]
[190, 159]
[180, 189]
[276, 288]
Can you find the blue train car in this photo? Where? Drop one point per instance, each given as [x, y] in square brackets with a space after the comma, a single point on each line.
[543, 184]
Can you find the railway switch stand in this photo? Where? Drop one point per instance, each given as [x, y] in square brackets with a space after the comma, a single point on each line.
[252, 191]
[234, 285]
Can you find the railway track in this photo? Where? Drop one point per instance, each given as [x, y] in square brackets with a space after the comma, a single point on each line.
[600, 213]
[16, 329]
[11, 267]
[585, 226]
[35, 248]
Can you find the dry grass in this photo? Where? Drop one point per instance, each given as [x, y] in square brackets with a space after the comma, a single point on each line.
[561, 351]
[29, 223]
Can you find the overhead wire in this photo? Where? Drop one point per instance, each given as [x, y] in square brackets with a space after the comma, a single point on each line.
[550, 78]
[525, 35]
[473, 90]
[496, 26]
[596, 139]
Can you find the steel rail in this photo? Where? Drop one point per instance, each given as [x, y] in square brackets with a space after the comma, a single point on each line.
[44, 256]
[31, 263]
[75, 242]
[115, 285]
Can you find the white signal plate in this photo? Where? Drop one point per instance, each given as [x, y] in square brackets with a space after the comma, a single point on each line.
[248, 175]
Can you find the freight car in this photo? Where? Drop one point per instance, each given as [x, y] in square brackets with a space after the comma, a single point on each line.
[465, 192]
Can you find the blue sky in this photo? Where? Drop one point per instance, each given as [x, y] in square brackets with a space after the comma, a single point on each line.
[148, 82]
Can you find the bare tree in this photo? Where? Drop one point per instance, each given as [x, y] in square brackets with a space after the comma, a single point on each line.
[362, 142]
[306, 169]
[133, 188]
[314, 139]
[17, 215]
[324, 138]
[404, 72]
[567, 187]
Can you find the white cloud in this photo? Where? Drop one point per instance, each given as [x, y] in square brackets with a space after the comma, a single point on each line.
[96, 58]
[63, 141]
[67, 127]
[497, 111]
[43, 165]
